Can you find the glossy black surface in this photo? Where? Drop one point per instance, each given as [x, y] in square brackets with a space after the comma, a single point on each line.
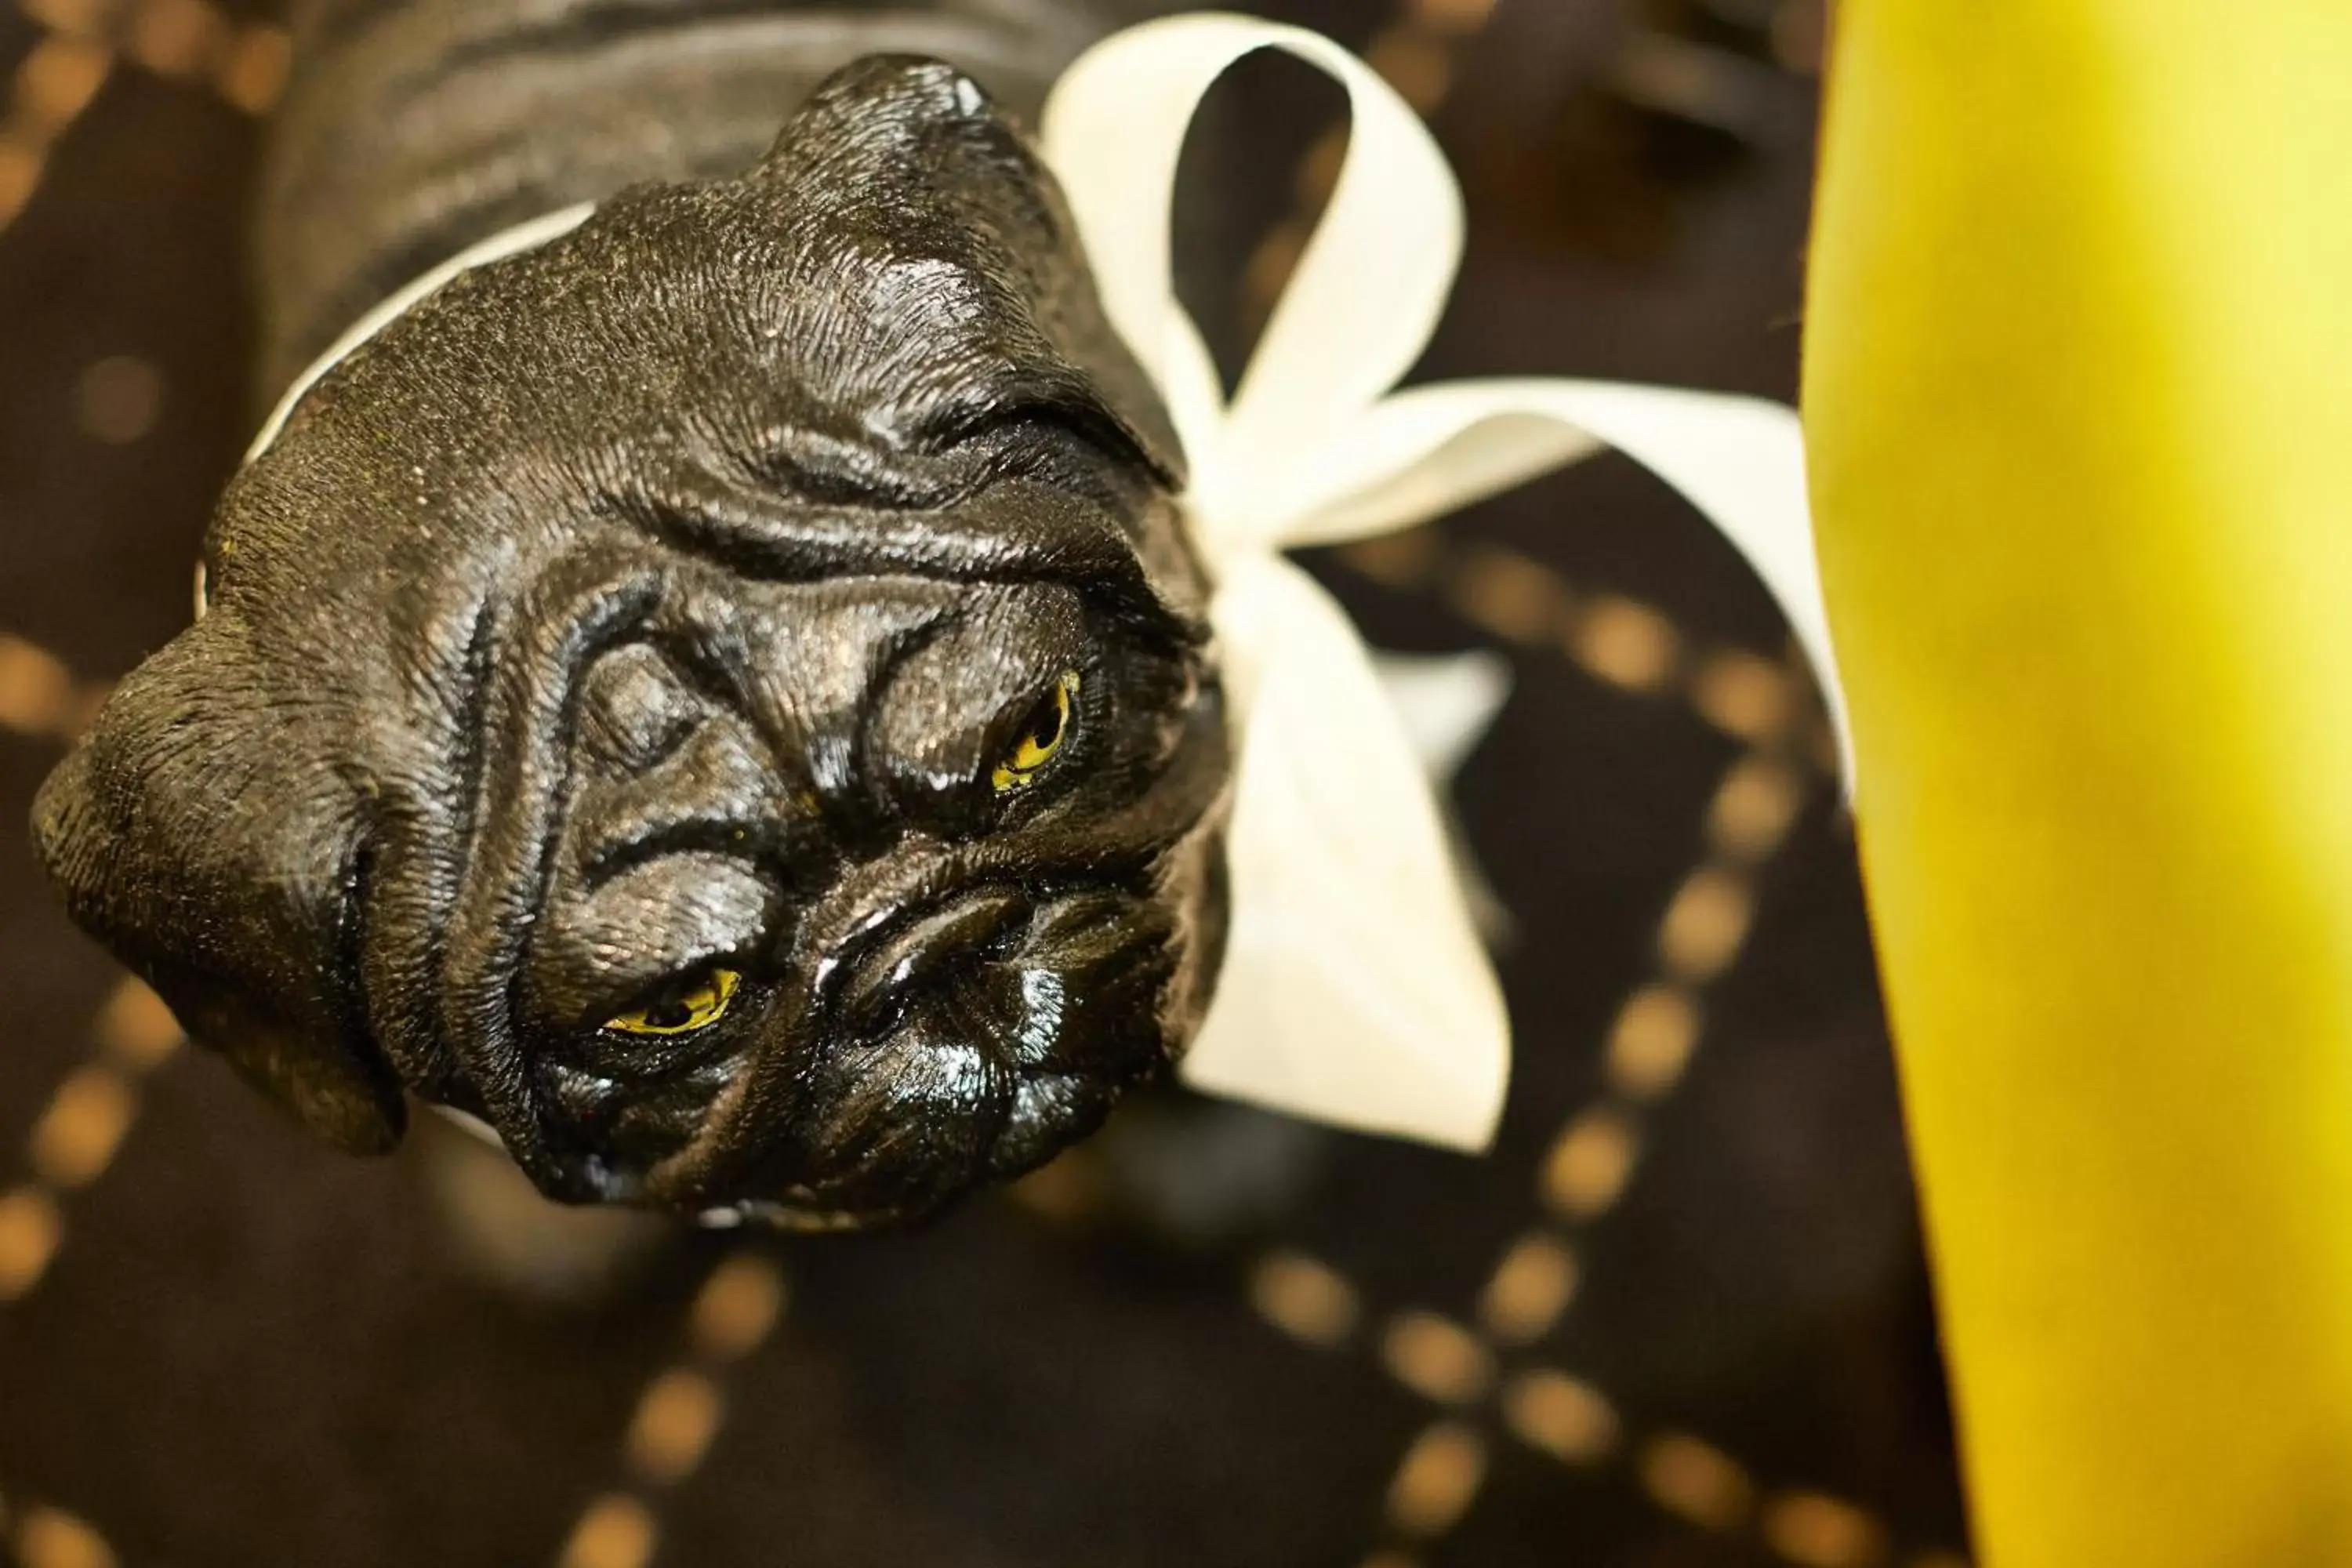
[664, 597]
[411, 128]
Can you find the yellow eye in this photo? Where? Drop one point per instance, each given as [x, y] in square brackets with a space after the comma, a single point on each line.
[692, 1002]
[1047, 728]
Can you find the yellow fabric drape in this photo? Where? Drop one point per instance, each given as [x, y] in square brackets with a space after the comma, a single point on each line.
[2079, 397]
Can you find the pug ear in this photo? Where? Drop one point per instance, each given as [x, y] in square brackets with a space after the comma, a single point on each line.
[201, 832]
[897, 158]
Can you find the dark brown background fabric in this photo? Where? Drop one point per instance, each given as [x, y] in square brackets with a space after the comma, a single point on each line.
[1677, 1319]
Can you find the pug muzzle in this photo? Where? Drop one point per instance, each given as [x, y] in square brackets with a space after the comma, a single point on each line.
[724, 699]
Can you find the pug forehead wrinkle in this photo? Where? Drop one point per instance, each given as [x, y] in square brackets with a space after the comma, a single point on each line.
[601, 721]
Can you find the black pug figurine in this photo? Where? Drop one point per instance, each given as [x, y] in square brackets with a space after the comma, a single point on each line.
[723, 698]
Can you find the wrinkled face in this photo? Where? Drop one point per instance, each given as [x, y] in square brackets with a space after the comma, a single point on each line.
[893, 895]
[722, 699]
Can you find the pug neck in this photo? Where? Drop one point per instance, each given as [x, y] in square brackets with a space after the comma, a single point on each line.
[412, 129]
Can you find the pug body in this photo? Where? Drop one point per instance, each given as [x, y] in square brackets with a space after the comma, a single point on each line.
[724, 697]
[411, 129]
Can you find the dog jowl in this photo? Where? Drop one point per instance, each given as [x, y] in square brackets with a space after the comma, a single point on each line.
[724, 698]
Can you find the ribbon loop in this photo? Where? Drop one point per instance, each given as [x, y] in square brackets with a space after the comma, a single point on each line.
[1740, 461]
[1369, 286]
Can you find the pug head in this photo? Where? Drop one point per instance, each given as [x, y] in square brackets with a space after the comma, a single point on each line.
[722, 698]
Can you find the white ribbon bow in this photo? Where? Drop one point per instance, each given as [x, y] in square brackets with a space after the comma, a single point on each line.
[1355, 989]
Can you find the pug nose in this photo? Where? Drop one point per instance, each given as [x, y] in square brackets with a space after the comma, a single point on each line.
[930, 950]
